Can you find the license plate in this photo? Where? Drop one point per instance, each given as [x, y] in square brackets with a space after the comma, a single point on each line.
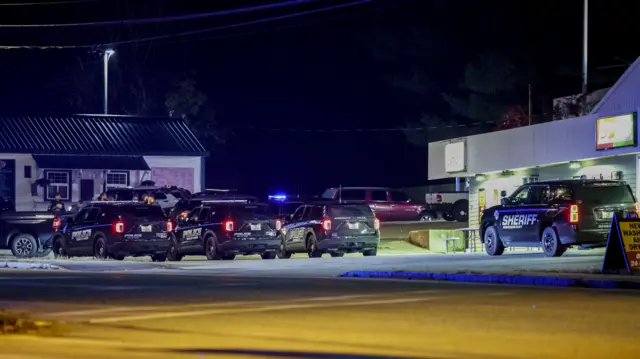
[353, 225]
[607, 215]
[256, 227]
[145, 228]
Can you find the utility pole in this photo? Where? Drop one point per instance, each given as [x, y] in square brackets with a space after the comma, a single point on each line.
[585, 52]
[107, 54]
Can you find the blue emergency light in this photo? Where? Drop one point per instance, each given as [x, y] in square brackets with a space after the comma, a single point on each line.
[278, 197]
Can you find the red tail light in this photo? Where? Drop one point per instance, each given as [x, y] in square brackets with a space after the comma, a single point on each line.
[169, 226]
[118, 227]
[326, 224]
[278, 224]
[439, 198]
[228, 225]
[574, 216]
[56, 223]
[376, 224]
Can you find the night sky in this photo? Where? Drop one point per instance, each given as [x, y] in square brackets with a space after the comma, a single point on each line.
[308, 74]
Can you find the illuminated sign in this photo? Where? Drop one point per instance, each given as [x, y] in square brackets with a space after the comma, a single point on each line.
[616, 132]
[454, 157]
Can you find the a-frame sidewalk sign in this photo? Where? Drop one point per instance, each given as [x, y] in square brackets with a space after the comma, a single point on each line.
[622, 255]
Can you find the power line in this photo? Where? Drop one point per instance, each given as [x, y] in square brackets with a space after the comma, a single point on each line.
[70, 2]
[397, 129]
[186, 33]
[155, 20]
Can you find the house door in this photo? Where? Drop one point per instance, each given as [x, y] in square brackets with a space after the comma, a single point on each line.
[8, 179]
[86, 189]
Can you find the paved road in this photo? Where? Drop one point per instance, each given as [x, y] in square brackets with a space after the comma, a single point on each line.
[146, 316]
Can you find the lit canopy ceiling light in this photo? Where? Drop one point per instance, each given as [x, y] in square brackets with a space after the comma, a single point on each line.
[574, 165]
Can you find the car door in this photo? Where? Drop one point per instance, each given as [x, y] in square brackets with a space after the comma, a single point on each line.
[534, 214]
[294, 230]
[508, 216]
[380, 205]
[80, 233]
[401, 207]
[187, 233]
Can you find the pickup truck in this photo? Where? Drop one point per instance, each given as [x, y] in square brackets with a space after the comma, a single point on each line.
[451, 206]
[26, 233]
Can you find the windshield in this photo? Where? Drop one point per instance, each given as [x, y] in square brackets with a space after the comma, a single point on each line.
[350, 211]
[329, 194]
[601, 194]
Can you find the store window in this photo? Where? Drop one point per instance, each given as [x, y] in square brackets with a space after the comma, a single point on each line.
[58, 183]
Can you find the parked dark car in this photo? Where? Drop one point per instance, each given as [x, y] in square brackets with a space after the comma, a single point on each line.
[556, 215]
[26, 233]
[113, 229]
[222, 230]
[334, 228]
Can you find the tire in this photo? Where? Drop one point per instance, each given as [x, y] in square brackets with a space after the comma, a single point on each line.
[282, 252]
[460, 211]
[268, 255]
[228, 257]
[161, 257]
[211, 248]
[428, 216]
[23, 245]
[173, 255]
[550, 242]
[100, 249]
[337, 254]
[59, 249]
[492, 243]
[312, 247]
[370, 253]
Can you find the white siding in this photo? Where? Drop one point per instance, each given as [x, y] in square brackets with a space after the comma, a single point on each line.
[178, 162]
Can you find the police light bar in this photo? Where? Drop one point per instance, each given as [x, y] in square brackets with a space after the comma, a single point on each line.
[278, 197]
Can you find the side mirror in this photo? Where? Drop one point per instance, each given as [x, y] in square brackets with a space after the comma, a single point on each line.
[503, 193]
[505, 201]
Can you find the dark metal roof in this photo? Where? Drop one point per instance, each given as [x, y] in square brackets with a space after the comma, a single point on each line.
[125, 163]
[99, 135]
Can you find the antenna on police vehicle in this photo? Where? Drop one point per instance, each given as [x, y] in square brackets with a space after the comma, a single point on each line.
[340, 194]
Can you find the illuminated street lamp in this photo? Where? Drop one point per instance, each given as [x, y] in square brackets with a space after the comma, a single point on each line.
[107, 54]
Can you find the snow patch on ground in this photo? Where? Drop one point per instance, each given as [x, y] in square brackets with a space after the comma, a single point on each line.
[28, 265]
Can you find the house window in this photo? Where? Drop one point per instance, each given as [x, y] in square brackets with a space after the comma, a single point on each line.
[58, 183]
[117, 180]
[27, 171]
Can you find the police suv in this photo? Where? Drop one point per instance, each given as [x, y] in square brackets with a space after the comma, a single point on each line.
[224, 229]
[113, 229]
[556, 215]
[334, 228]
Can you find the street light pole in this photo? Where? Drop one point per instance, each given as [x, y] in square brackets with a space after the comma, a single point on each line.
[107, 54]
[585, 48]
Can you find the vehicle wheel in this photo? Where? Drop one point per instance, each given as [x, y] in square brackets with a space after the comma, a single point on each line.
[551, 243]
[100, 249]
[211, 248]
[282, 251]
[312, 246]
[370, 253]
[160, 257]
[337, 254]
[268, 255]
[173, 254]
[228, 257]
[23, 245]
[492, 242]
[59, 249]
[460, 211]
[428, 216]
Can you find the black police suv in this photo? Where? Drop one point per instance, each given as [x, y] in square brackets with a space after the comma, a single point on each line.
[113, 229]
[556, 215]
[222, 230]
[334, 228]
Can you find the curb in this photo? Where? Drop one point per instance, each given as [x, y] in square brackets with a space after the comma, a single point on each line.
[29, 265]
[501, 279]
